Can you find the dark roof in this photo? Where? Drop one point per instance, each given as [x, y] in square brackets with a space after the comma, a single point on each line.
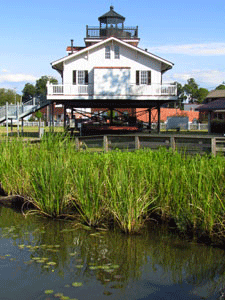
[111, 14]
[211, 106]
[216, 94]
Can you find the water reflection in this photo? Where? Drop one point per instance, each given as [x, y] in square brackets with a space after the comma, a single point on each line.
[78, 263]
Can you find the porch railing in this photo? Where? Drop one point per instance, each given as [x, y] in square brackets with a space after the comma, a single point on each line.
[68, 89]
[132, 89]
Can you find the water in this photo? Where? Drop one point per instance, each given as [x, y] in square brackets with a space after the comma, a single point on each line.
[40, 256]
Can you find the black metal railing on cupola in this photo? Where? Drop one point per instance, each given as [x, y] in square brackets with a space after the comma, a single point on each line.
[125, 32]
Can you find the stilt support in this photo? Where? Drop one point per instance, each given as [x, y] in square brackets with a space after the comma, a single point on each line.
[158, 128]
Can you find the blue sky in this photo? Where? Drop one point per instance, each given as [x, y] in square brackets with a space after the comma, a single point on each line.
[191, 34]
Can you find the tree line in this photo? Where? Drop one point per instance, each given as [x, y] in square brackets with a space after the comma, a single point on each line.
[8, 95]
[29, 91]
[192, 91]
[39, 89]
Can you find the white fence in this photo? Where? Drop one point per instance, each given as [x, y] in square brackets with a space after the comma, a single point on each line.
[33, 124]
[154, 125]
[191, 126]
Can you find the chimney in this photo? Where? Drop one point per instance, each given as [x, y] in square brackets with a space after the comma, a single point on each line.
[71, 46]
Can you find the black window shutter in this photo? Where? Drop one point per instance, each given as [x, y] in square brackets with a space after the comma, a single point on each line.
[149, 78]
[137, 77]
[86, 77]
[74, 77]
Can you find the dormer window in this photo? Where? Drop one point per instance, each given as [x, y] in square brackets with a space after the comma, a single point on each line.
[107, 52]
[116, 52]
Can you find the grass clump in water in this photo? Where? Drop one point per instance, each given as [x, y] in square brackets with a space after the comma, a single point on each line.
[122, 188]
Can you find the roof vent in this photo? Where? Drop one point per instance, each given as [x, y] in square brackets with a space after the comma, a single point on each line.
[71, 46]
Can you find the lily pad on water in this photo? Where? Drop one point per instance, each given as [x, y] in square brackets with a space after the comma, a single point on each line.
[95, 267]
[105, 267]
[28, 262]
[45, 258]
[52, 250]
[51, 263]
[58, 295]
[77, 284]
[48, 292]
[40, 261]
[36, 258]
[79, 266]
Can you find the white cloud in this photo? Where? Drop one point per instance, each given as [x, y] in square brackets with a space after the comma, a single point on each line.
[17, 78]
[211, 49]
[205, 78]
[5, 71]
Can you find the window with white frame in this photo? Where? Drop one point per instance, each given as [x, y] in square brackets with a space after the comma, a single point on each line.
[116, 52]
[80, 77]
[107, 52]
[143, 77]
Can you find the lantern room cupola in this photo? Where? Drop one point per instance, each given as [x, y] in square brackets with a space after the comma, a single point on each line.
[111, 19]
[111, 24]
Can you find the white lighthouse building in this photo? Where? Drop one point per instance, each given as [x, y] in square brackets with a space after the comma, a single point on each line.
[111, 71]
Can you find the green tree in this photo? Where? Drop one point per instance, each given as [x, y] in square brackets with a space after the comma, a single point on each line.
[8, 95]
[191, 87]
[221, 87]
[201, 94]
[41, 88]
[28, 91]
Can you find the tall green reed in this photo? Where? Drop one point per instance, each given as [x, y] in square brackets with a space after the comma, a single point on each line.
[87, 183]
[123, 187]
[128, 199]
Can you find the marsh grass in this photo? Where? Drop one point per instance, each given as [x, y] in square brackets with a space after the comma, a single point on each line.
[87, 182]
[123, 188]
